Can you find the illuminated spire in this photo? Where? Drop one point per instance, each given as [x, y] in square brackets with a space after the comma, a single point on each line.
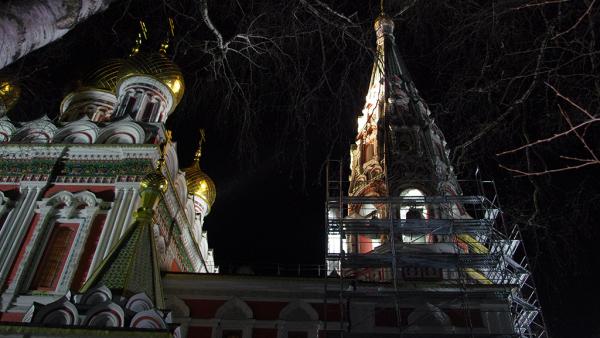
[397, 144]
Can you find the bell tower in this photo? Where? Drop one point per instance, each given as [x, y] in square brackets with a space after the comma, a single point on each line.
[403, 235]
[399, 151]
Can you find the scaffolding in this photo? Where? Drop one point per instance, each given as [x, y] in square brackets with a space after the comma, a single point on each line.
[466, 258]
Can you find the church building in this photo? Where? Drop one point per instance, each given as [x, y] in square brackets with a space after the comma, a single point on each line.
[101, 232]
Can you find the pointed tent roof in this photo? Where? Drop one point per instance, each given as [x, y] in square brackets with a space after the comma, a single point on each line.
[132, 265]
[410, 147]
[388, 56]
[390, 74]
[394, 107]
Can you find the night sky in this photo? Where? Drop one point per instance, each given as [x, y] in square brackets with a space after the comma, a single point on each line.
[272, 123]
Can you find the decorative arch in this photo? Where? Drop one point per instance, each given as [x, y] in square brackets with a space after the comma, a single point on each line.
[105, 315]
[67, 205]
[58, 313]
[429, 315]
[7, 130]
[149, 319]
[41, 130]
[125, 131]
[179, 307]
[234, 308]
[299, 310]
[94, 104]
[79, 132]
[139, 302]
[234, 315]
[298, 317]
[96, 295]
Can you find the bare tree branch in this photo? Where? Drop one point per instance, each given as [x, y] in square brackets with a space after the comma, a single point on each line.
[572, 129]
[578, 21]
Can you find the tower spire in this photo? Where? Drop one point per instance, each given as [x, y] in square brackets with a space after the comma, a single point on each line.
[398, 144]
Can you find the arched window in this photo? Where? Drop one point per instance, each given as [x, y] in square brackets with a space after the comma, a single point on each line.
[413, 208]
[233, 320]
[131, 100]
[149, 111]
[301, 320]
[52, 262]
[127, 103]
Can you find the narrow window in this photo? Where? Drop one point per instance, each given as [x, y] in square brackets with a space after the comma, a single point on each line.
[148, 110]
[52, 263]
[130, 105]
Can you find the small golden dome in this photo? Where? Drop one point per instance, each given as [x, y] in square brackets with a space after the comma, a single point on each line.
[151, 187]
[158, 66]
[200, 184]
[9, 95]
[105, 76]
[154, 180]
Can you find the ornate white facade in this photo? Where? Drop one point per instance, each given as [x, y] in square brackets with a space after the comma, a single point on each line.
[69, 191]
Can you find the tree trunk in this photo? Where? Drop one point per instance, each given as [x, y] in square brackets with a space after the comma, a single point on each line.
[26, 25]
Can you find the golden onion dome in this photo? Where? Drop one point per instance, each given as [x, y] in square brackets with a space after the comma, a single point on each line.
[9, 95]
[199, 184]
[105, 76]
[158, 66]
